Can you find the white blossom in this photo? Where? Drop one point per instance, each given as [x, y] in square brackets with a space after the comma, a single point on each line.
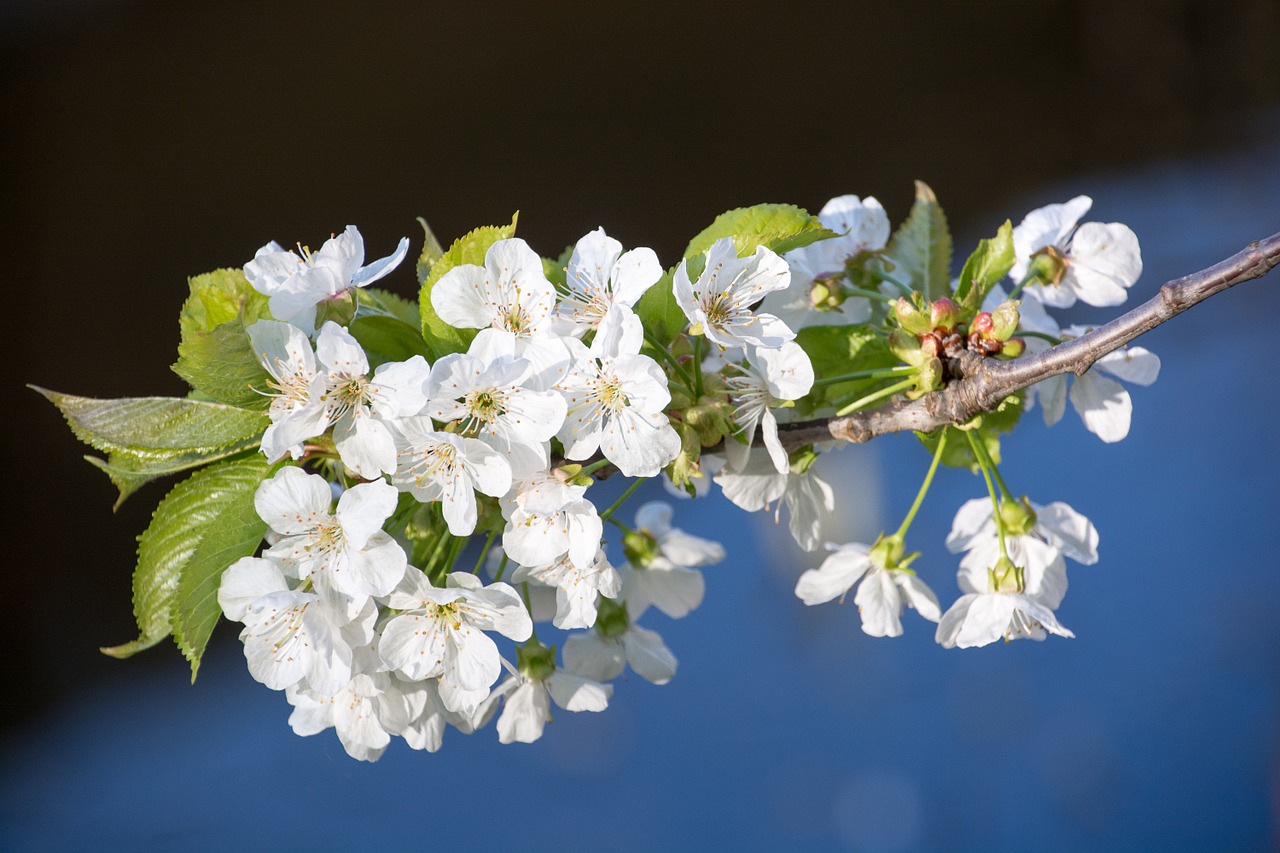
[601, 658]
[345, 552]
[577, 588]
[882, 594]
[441, 466]
[667, 579]
[617, 400]
[1101, 260]
[600, 275]
[526, 702]
[441, 632]
[759, 484]
[860, 225]
[296, 282]
[770, 376]
[366, 712]
[547, 518]
[720, 302]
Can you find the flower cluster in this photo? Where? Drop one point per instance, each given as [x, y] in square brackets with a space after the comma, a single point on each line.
[427, 475]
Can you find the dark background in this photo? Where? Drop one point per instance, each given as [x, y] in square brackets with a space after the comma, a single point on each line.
[145, 142]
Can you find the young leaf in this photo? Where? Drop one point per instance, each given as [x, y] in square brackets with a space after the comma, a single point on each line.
[989, 263]
[659, 312]
[373, 301]
[387, 339]
[219, 297]
[921, 247]
[432, 251]
[130, 472]
[780, 227]
[221, 365]
[233, 530]
[440, 337]
[839, 351]
[203, 504]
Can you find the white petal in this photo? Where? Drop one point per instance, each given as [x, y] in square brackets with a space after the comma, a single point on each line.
[576, 693]
[592, 656]
[918, 595]
[879, 605]
[525, 714]
[971, 523]
[1103, 405]
[836, 576]
[1070, 531]
[1132, 364]
[379, 268]
[364, 508]
[648, 656]
[244, 582]
[293, 501]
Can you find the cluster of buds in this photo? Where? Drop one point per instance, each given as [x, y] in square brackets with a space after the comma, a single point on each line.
[927, 334]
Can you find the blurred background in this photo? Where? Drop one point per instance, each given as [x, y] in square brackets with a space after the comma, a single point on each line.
[146, 142]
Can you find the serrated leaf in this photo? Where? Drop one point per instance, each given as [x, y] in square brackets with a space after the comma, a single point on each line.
[921, 247]
[200, 505]
[387, 339]
[129, 472]
[156, 427]
[432, 251]
[232, 532]
[837, 351]
[222, 366]
[440, 337]
[988, 264]
[660, 313]
[780, 227]
[219, 297]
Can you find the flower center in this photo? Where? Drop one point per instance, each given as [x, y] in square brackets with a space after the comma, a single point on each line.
[431, 463]
[484, 406]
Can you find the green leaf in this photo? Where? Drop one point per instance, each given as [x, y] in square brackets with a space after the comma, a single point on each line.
[988, 264]
[156, 426]
[659, 313]
[780, 227]
[150, 437]
[219, 297]
[387, 339]
[374, 302]
[921, 247]
[230, 531]
[440, 337]
[201, 521]
[222, 366]
[837, 351]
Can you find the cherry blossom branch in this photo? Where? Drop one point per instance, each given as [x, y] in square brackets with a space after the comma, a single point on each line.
[984, 382]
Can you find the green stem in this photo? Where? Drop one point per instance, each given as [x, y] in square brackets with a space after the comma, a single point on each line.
[429, 568]
[666, 355]
[484, 552]
[502, 567]
[604, 516]
[871, 294]
[594, 467]
[1017, 288]
[455, 551]
[878, 373]
[983, 460]
[924, 487]
[876, 395]
[619, 525]
[995, 471]
[884, 276]
[697, 368]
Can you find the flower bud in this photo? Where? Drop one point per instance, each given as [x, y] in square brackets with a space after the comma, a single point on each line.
[906, 346]
[711, 418]
[930, 345]
[639, 548]
[982, 325]
[930, 375]
[910, 318]
[535, 661]
[1004, 576]
[340, 308]
[1013, 348]
[944, 314]
[1017, 516]
[1048, 265]
[1004, 320]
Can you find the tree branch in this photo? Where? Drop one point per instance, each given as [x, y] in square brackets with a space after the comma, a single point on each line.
[984, 382]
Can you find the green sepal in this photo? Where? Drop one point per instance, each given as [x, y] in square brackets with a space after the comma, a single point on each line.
[441, 338]
[920, 249]
[839, 350]
[984, 269]
[200, 521]
[780, 227]
[220, 524]
[149, 437]
[660, 313]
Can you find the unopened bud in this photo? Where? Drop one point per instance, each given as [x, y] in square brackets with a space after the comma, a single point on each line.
[930, 375]
[1004, 320]
[711, 419]
[910, 318]
[535, 661]
[930, 345]
[982, 325]
[639, 548]
[944, 314]
[906, 346]
[1013, 348]
[1017, 516]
